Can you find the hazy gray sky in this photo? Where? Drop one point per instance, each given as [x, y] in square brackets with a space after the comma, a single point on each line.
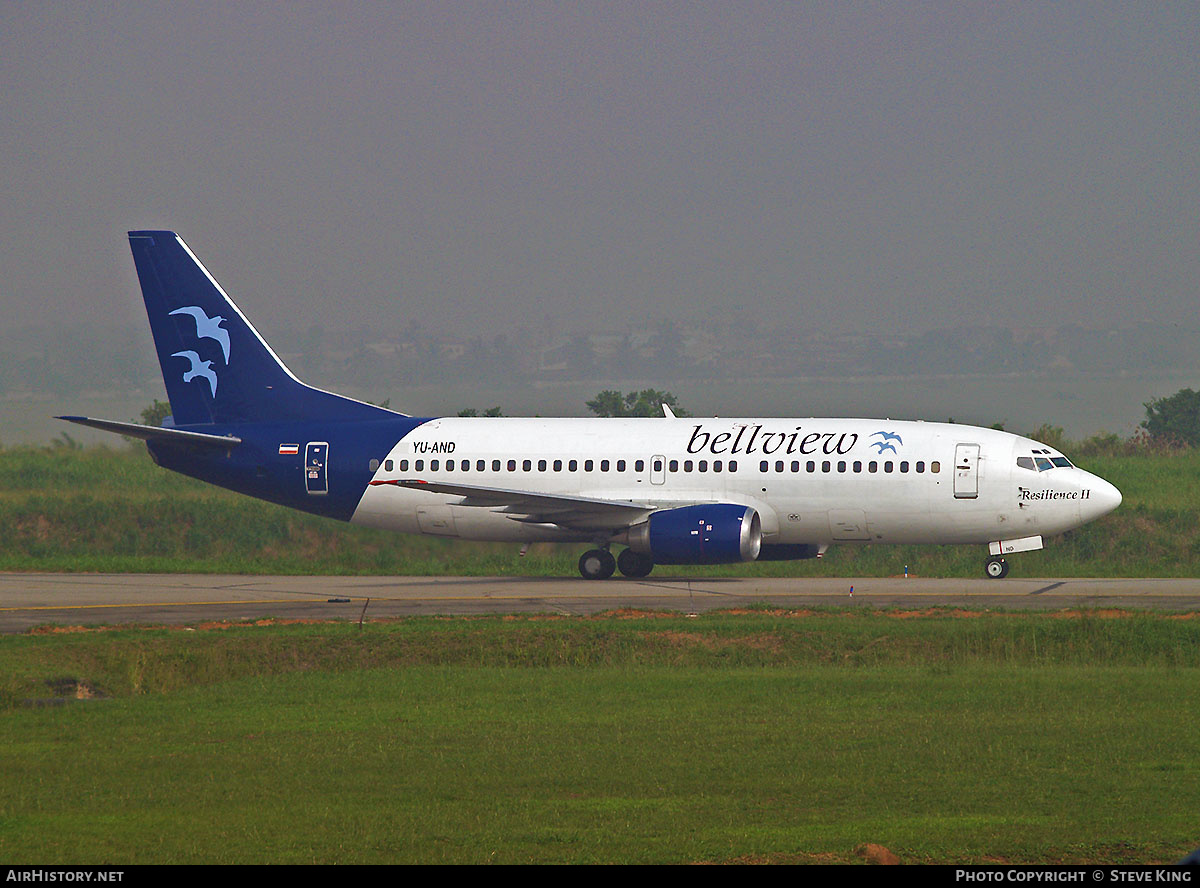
[847, 166]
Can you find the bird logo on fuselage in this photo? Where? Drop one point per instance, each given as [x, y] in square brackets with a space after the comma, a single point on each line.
[885, 443]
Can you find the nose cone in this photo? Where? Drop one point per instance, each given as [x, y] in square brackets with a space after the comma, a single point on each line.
[1102, 498]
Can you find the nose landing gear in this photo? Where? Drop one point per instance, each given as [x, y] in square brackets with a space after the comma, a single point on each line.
[996, 568]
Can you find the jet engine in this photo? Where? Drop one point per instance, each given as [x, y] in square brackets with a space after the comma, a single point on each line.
[712, 533]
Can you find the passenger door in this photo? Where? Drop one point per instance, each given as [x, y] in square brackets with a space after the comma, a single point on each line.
[966, 471]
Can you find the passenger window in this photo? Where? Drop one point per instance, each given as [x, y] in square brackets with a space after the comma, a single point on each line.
[481, 465]
[716, 465]
[495, 465]
[920, 467]
[526, 465]
[673, 465]
[702, 465]
[419, 465]
[841, 465]
[811, 467]
[604, 465]
[872, 467]
[763, 466]
[588, 465]
[433, 465]
[541, 465]
[387, 464]
[887, 466]
[826, 466]
[639, 466]
[935, 467]
[779, 465]
[795, 465]
[403, 465]
[573, 465]
[732, 465]
[857, 466]
[373, 465]
[558, 465]
[687, 465]
[620, 465]
[904, 466]
[512, 465]
[450, 465]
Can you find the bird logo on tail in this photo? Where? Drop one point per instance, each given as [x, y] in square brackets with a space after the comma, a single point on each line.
[208, 328]
[199, 368]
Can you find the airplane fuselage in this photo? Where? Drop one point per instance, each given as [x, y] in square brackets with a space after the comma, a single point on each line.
[812, 481]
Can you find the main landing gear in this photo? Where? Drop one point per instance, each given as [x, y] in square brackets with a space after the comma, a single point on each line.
[599, 564]
[996, 568]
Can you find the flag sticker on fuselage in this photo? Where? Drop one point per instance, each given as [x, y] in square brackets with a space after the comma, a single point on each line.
[289, 449]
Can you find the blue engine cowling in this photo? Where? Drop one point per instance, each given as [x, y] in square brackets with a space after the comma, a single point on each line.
[714, 533]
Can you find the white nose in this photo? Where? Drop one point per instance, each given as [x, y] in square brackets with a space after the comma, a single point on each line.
[1102, 499]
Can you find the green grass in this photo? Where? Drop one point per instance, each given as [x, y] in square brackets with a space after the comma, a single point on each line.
[112, 510]
[755, 737]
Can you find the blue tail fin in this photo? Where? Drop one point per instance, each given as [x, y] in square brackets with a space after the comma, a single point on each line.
[216, 367]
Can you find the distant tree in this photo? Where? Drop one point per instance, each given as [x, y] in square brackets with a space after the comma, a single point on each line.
[647, 402]
[471, 411]
[1176, 418]
[156, 413]
[1051, 436]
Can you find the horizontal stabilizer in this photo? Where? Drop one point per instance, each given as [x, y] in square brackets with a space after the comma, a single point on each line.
[152, 433]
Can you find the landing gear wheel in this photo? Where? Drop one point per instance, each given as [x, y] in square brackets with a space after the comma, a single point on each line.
[996, 568]
[634, 564]
[597, 564]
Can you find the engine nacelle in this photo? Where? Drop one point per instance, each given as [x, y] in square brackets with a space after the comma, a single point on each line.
[714, 533]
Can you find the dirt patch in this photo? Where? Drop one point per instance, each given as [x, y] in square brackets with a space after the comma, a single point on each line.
[933, 612]
[64, 630]
[877, 854]
[74, 688]
[1105, 614]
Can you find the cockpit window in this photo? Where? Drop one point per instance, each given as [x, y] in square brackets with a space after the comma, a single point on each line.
[1043, 463]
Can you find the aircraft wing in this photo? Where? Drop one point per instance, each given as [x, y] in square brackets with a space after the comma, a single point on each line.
[538, 508]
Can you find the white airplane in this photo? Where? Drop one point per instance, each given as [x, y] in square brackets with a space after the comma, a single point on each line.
[669, 490]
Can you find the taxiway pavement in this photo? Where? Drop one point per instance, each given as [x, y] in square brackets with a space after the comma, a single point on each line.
[28, 600]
